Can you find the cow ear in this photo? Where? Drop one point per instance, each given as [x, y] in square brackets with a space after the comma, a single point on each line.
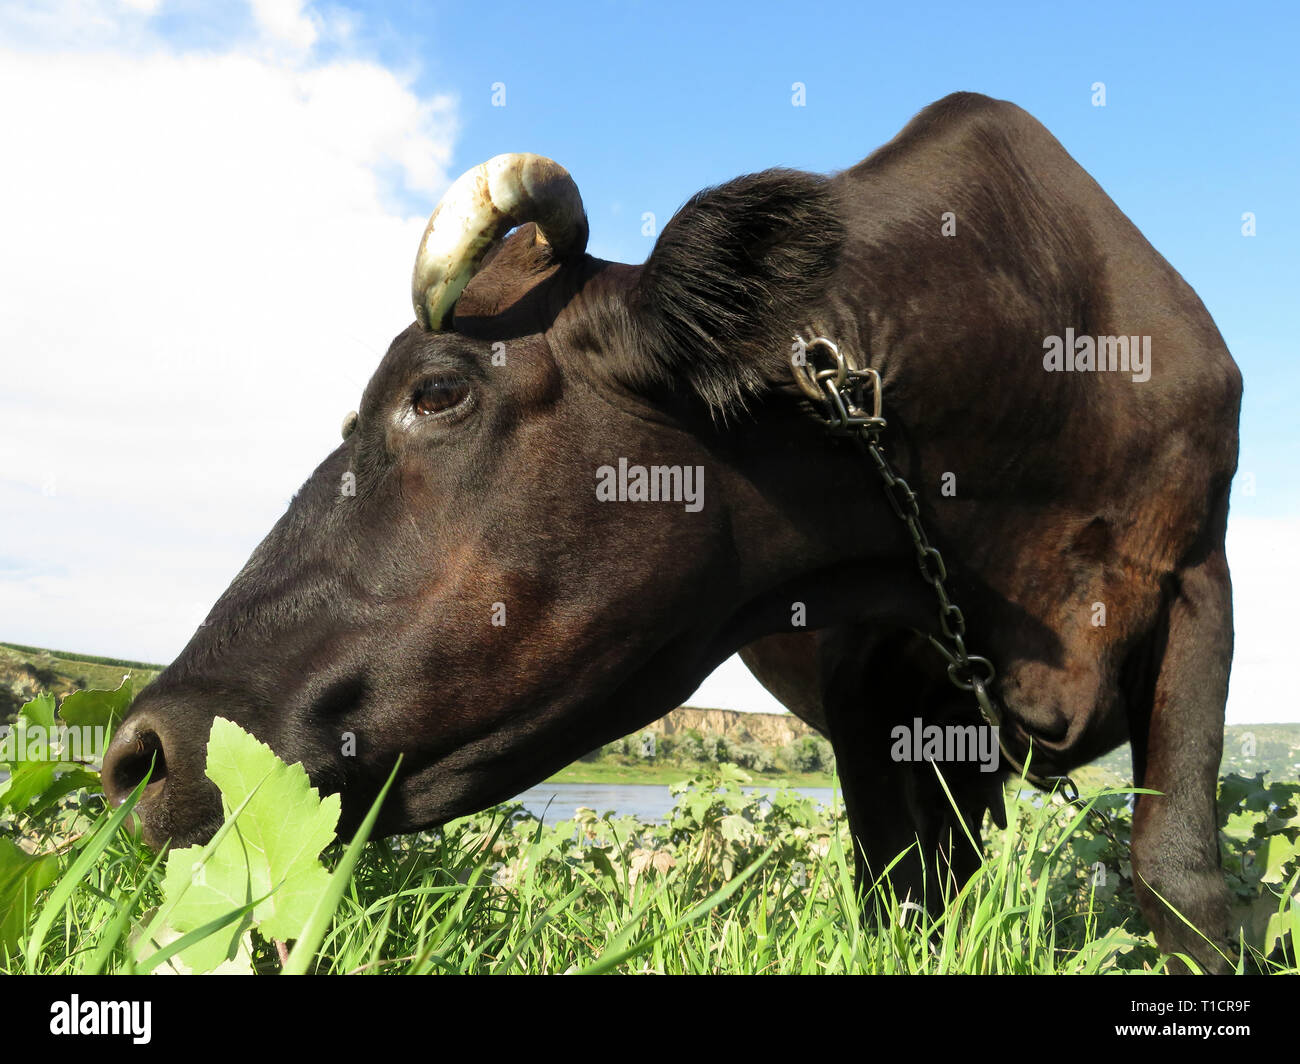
[733, 275]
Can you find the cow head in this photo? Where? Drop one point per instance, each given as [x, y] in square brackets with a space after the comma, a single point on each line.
[472, 578]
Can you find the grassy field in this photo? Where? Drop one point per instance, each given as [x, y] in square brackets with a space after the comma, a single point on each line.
[63, 672]
[730, 882]
[726, 886]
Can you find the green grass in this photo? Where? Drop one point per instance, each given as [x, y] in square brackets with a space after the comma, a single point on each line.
[730, 882]
[500, 893]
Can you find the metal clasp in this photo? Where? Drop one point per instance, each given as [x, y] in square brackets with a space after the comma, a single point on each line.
[840, 388]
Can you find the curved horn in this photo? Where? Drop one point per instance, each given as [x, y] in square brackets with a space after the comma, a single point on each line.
[481, 206]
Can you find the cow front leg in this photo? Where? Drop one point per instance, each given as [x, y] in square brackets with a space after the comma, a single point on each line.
[880, 807]
[1175, 842]
[897, 805]
[902, 806]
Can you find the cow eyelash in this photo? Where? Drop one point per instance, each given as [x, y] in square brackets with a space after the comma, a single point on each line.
[436, 396]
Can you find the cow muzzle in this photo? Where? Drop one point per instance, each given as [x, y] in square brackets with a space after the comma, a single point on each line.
[152, 745]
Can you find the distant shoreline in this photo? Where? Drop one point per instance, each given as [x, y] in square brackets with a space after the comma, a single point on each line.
[604, 772]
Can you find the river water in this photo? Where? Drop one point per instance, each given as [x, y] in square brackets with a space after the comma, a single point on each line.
[651, 802]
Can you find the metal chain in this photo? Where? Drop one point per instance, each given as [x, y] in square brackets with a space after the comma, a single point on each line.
[841, 391]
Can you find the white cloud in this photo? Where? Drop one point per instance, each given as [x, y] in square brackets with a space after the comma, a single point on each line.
[1262, 555]
[287, 21]
[202, 265]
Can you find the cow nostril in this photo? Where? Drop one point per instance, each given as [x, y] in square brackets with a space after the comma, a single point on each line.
[132, 763]
[339, 698]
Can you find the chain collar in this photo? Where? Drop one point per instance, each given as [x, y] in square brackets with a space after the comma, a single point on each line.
[849, 398]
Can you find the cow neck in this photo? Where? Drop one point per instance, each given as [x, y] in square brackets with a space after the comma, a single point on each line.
[849, 397]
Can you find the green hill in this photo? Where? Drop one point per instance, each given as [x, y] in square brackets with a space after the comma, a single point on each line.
[26, 672]
[1247, 749]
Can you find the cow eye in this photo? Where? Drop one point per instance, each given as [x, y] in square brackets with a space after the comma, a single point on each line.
[437, 394]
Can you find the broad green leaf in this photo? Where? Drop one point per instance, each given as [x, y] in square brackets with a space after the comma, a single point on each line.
[29, 779]
[209, 946]
[318, 923]
[34, 736]
[48, 778]
[1280, 924]
[270, 858]
[155, 926]
[97, 709]
[40, 710]
[1274, 854]
[72, 779]
[734, 827]
[1234, 788]
[21, 877]
[35, 781]
[1240, 825]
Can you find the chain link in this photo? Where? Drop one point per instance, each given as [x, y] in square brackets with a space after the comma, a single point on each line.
[842, 390]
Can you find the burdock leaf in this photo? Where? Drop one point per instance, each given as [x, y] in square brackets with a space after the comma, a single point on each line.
[270, 857]
[101, 709]
[22, 876]
[39, 711]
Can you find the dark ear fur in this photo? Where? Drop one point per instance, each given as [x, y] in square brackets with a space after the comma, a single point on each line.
[728, 282]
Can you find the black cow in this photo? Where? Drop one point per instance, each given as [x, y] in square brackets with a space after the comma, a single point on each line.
[470, 580]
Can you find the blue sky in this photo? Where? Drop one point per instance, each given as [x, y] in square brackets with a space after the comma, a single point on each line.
[319, 136]
[645, 103]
